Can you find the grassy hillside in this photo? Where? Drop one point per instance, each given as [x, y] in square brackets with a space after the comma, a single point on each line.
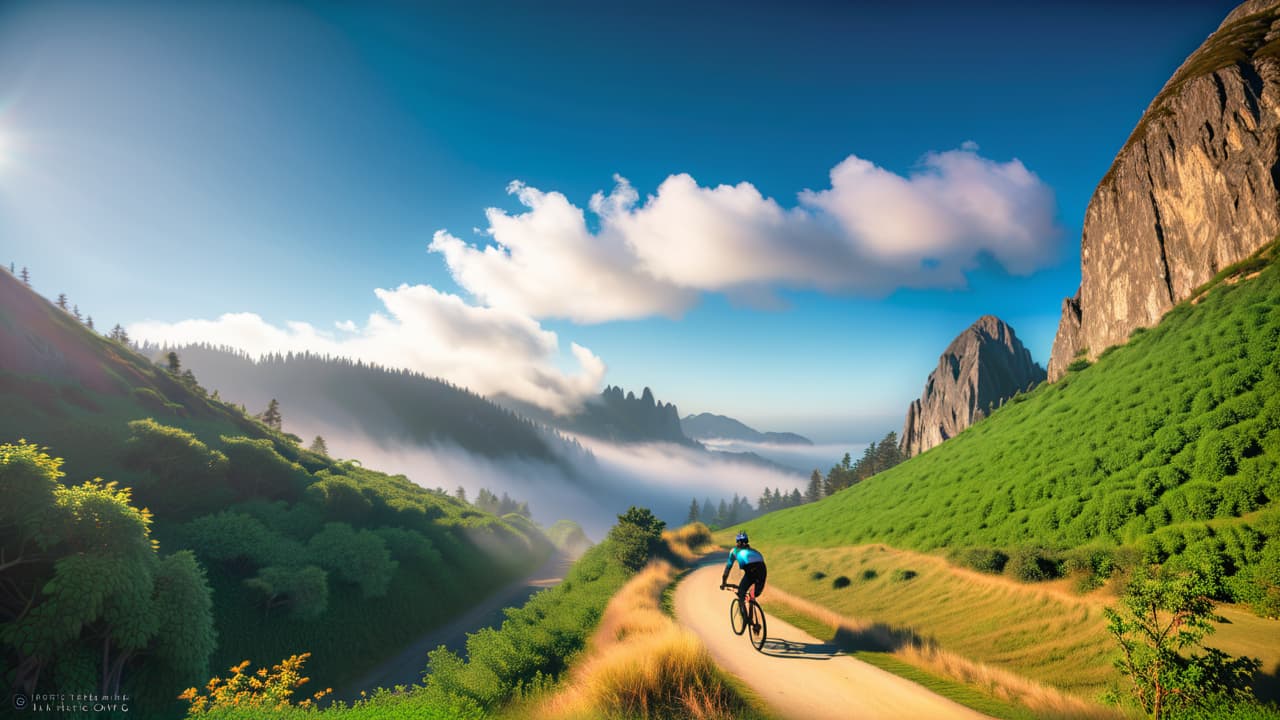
[298, 552]
[1169, 444]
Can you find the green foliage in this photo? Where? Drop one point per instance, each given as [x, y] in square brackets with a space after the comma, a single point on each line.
[636, 537]
[360, 557]
[535, 644]
[304, 590]
[1175, 434]
[231, 536]
[1162, 620]
[983, 559]
[256, 470]
[903, 575]
[1030, 564]
[179, 475]
[85, 593]
[841, 582]
[1078, 365]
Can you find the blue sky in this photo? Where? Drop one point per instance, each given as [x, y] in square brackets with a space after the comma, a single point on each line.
[172, 162]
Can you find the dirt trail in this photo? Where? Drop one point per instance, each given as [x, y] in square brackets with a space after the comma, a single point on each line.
[797, 675]
[406, 668]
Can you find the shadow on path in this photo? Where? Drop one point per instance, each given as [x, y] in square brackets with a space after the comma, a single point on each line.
[783, 648]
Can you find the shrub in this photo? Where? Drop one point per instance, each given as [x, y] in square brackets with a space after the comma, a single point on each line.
[901, 575]
[817, 575]
[256, 470]
[983, 559]
[1078, 365]
[841, 582]
[1031, 565]
[304, 590]
[360, 558]
[869, 574]
[636, 537]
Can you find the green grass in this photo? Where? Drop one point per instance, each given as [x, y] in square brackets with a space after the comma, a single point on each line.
[1169, 444]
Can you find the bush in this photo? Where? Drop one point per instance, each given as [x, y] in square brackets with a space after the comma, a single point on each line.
[636, 537]
[360, 558]
[817, 575]
[256, 470]
[869, 574]
[1078, 365]
[982, 559]
[1031, 565]
[841, 582]
[901, 575]
[304, 590]
[180, 475]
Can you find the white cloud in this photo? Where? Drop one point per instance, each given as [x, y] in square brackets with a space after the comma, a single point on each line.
[872, 231]
[488, 350]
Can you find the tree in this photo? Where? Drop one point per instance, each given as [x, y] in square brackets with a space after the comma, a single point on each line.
[305, 590]
[89, 322]
[12, 270]
[814, 492]
[119, 335]
[319, 447]
[58, 543]
[75, 310]
[460, 494]
[636, 537]
[271, 416]
[179, 474]
[175, 365]
[26, 276]
[62, 301]
[693, 512]
[360, 558]
[1162, 620]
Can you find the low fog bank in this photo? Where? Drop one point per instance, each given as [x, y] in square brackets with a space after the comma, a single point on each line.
[597, 486]
[804, 458]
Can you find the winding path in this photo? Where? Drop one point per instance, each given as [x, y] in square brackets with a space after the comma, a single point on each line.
[796, 674]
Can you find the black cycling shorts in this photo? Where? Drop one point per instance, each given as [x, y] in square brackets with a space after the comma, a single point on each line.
[752, 574]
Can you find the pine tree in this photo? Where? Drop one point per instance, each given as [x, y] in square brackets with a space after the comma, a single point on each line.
[722, 514]
[814, 492]
[26, 276]
[175, 366]
[693, 512]
[62, 301]
[271, 416]
[75, 310]
[89, 322]
[12, 271]
[319, 447]
[460, 494]
[795, 498]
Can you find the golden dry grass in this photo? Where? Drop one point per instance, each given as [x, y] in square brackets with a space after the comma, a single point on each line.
[640, 664]
[690, 542]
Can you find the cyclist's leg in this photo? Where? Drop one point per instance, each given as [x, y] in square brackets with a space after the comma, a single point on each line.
[760, 576]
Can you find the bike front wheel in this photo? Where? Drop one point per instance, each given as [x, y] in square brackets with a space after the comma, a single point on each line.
[758, 627]
[737, 620]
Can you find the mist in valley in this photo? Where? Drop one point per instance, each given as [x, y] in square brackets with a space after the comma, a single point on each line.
[591, 485]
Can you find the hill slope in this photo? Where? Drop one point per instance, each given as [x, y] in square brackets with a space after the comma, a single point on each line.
[291, 545]
[377, 402]
[1166, 442]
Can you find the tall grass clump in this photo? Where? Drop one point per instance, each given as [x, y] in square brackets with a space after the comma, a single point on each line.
[641, 665]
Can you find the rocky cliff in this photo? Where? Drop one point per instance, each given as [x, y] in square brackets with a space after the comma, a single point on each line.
[984, 366]
[1193, 190]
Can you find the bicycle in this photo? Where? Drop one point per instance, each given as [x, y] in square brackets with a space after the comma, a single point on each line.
[752, 617]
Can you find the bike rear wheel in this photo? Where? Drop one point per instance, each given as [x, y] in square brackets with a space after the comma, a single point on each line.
[758, 626]
[737, 620]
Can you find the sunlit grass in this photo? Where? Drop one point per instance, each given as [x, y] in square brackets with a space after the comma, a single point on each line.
[640, 664]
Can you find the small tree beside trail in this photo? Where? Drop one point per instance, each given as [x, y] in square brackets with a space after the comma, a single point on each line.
[1160, 625]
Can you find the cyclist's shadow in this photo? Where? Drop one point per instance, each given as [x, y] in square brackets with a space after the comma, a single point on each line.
[783, 648]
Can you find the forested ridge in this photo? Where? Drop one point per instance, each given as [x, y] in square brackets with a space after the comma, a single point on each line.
[212, 536]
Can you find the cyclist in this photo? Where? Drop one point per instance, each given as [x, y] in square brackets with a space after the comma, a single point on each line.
[753, 568]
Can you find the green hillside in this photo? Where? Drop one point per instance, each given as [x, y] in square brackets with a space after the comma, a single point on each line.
[287, 551]
[1169, 444]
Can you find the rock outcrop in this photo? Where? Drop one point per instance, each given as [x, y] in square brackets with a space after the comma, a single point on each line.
[1195, 188]
[984, 366]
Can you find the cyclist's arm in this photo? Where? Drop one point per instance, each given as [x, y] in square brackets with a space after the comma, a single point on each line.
[727, 567]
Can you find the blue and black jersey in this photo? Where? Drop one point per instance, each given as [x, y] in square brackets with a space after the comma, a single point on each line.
[745, 556]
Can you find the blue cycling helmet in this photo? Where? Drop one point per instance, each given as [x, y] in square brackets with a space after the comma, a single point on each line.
[742, 538]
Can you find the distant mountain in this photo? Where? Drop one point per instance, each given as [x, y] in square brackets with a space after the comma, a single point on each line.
[706, 426]
[615, 415]
[984, 366]
[1195, 189]
[377, 402]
